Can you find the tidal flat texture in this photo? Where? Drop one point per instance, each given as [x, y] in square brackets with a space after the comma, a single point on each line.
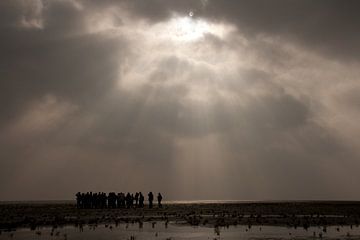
[288, 214]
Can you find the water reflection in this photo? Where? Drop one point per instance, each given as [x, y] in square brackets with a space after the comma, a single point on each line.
[165, 230]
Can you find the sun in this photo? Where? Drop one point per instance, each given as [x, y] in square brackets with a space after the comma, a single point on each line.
[188, 29]
[185, 29]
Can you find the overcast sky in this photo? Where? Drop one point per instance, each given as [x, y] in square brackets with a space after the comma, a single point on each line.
[198, 99]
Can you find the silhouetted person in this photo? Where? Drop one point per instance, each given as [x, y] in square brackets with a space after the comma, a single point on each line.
[122, 200]
[128, 200]
[90, 199]
[83, 200]
[78, 200]
[118, 200]
[111, 199]
[132, 200]
[87, 200]
[159, 198]
[141, 200]
[151, 199]
[136, 199]
[103, 200]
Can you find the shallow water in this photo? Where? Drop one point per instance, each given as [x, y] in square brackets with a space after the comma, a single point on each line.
[174, 231]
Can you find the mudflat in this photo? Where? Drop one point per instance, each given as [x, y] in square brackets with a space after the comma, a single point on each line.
[292, 214]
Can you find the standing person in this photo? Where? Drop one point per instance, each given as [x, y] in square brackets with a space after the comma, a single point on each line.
[91, 200]
[128, 200]
[78, 200]
[122, 200]
[83, 200]
[141, 200]
[104, 200]
[132, 200]
[151, 199]
[118, 200]
[136, 199]
[159, 198]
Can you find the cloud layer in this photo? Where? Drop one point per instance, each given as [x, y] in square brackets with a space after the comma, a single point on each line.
[244, 100]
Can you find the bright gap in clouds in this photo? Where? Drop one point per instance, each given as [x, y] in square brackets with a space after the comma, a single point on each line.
[187, 29]
[179, 51]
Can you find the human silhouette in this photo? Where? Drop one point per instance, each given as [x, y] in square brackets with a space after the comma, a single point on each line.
[78, 200]
[83, 200]
[151, 199]
[112, 200]
[90, 200]
[103, 200]
[122, 200]
[141, 200]
[118, 200]
[136, 199]
[128, 200]
[159, 198]
[132, 200]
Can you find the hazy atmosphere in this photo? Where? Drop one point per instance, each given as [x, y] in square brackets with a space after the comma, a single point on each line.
[197, 99]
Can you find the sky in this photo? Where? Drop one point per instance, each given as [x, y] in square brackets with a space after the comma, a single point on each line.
[197, 99]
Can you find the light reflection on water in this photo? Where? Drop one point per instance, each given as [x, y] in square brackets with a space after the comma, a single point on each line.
[172, 231]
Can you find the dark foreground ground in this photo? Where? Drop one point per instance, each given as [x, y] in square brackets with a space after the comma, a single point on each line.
[292, 214]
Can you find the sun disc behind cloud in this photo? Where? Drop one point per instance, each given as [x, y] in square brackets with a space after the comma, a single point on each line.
[186, 29]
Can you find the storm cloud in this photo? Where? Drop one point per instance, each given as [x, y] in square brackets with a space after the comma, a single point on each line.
[198, 99]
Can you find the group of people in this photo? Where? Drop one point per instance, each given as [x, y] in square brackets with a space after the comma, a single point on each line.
[113, 200]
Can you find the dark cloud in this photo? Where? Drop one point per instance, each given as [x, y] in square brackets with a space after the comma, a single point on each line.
[329, 27]
[36, 62]
[75, 115]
